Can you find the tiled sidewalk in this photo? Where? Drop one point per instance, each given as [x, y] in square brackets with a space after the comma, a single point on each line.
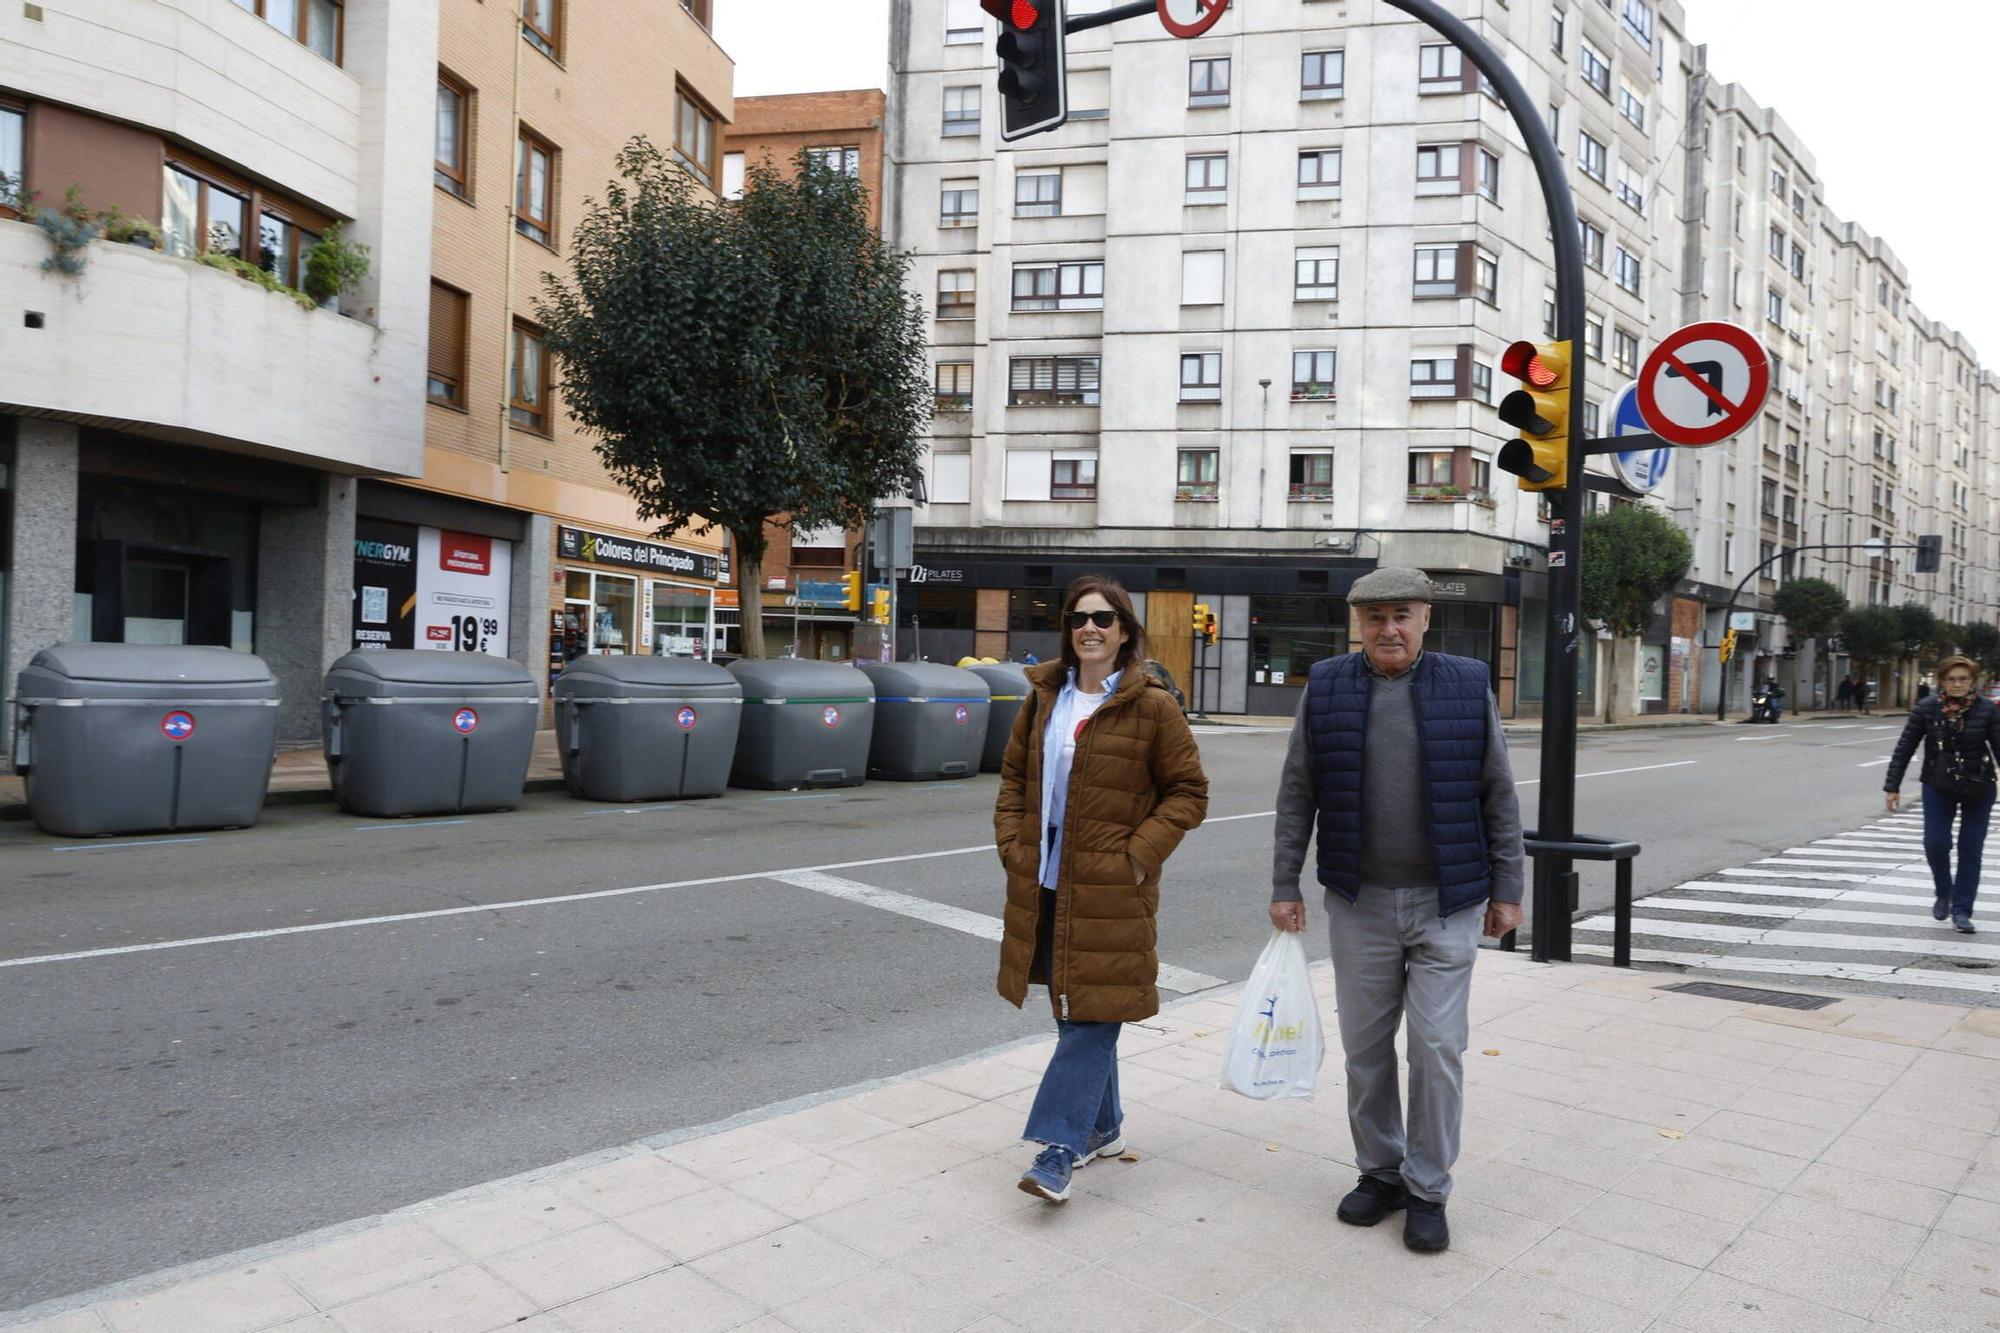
[1634, 1159]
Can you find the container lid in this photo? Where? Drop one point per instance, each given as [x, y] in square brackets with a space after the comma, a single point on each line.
[1004, 678]
[800, 677]
[422, 666]
[649, 670]
[930, 681]
[144, 663]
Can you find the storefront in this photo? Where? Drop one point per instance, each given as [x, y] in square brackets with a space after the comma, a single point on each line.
[433, 572]
[627, 595]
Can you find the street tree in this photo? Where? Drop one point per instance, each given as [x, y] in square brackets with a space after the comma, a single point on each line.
[1981, 643]
[1917, 630]
[1872, 636]
[1633, 555]
[744, 361]
[1812, 609]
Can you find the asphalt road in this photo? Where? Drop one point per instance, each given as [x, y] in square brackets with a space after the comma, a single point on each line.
[432, 1026]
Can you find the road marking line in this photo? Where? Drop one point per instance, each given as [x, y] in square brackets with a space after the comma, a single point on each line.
[1832, 876]
[1614, 772]
[1920, 920]
[1796, 891]
[1802, 967]
[1752, 740]
[634, 810]
[1896, 864]
[407, 823]
[121, 846]
[1171, 978]
[1802, 939]
[1831, 848]
[1875, 763]
[1890, 727]
[1838, 745]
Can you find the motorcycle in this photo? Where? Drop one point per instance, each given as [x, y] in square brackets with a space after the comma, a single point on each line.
[1767, 703]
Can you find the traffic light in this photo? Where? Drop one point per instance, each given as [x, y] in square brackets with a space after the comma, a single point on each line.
[879, 606]
[1034, 80]
[1540, 411]
[1208, 631]
[1201, 617]
[850, 586]
[1728, 648]
[1930, 553]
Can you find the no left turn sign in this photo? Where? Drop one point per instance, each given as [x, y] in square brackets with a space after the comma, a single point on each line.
[1703, 383]
[1190, 18]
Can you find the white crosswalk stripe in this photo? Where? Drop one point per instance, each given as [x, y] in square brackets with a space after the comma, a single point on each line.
[1853, 907]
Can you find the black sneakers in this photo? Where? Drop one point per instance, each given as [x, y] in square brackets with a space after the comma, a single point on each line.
[1370, 1201]
[1962, 924]
[1424, 1229]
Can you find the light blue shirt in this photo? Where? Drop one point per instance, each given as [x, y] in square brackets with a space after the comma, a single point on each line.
[1058, 748]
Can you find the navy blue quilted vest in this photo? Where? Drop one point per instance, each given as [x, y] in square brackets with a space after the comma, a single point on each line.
[1450, 698]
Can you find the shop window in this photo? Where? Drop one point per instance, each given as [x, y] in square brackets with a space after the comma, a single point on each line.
[1033, 610]
[608, 605]
[1463, 629]
[1290, 633]
[680, 621]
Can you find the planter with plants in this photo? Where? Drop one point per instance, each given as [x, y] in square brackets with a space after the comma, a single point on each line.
[1439, 491]
[1312, 393]
[69, 228]
[334, 265]
[122, 228]
[249, 272]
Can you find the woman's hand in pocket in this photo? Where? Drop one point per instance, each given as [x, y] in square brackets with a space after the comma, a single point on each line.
[1138, 871]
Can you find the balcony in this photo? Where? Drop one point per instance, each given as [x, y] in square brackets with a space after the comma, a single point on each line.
[178, 350]
[1446, 493]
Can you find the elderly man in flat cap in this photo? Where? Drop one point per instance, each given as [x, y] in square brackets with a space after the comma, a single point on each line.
[1398, 762]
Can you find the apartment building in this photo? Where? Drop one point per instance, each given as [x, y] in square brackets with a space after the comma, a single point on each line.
[1232, 333]
[844, 130]
[182, 431]
[513, 518]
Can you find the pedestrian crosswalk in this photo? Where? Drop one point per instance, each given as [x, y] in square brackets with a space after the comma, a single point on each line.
[1852, 907]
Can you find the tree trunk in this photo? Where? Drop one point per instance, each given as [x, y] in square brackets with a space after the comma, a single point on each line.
[1611, 682]
[749, 556]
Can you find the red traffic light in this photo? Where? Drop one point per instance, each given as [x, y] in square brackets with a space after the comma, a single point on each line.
[1021, 15]
[1523, 361]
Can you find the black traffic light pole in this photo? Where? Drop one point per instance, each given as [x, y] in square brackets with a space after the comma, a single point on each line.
[1555, 875]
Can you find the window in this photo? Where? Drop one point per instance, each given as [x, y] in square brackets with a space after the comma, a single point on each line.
[314, 24]
[1593, 415]
[445, 384]
[1207, 179]
[1321, 75]
[961, 110]
[534, 179]
[1202, 277]
[1430, 468]
[1052, 381]
[454, 162]
[1486, 276]
[528, 380]
[1073, 479]
[1486, 174]
[1038, 194]
[1311, 474]
[1593, 244]
[1798, 261]
[1798, 204]
[1319, 173]
[954, 386]
[198, 216]
[1639, 21]
[1769, 507]
[1631, 187]
[541, 22]
[1774, 306]
[1548, 313]
[1201, 377]
[1195, 474]
[1593, 336]
[1440, 69]
[694, 136]
[845, 159]
[958, 204]
[1556, 21]
[282, 246]
[962, 24]
[1434, 377]
[13, 155]
[956, 296]
[1778, 182]
[1316, 273]
[1312, 375]
[1631, 271]
[1631, 104]
[1596, 69]
[1593, 159]
[1208, 81]
[733, 175]
[1624, 352]
[1438, 162]
[1774, 244]
[1482, 383]
[1074, 286]
[1436, 271]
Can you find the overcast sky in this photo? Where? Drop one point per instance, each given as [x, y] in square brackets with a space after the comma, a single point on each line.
[1892, 100]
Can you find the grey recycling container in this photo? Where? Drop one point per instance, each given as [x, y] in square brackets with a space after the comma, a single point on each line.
[930, 721]
[805, 724]
[646, 728]
[1009, 683]
[410, 731]
[139, 737]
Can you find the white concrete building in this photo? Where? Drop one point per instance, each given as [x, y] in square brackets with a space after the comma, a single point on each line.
[179, 444]
[1233, 332]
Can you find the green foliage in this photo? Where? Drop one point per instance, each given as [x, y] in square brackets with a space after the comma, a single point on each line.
[1917, 628]
[334, 265]
[1980, 641]
[69, 230]
[1811, 607]
[744, 360]
[1632, 556]
[121, 227]
[1872, 635]
[249, 272]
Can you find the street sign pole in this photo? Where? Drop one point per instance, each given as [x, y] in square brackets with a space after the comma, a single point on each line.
[1555, 876]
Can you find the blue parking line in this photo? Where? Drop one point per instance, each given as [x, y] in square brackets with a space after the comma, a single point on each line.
[631, 810]
[939, 786]
[411, 823]
[809, 796]
[121, 846]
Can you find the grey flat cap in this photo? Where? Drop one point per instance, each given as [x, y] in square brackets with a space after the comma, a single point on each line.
[1390, 584]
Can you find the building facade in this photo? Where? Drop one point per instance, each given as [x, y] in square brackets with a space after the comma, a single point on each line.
[183, 430]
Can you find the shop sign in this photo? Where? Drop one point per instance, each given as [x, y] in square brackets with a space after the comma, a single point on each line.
[424, 587]
[928, 574]
[604, 549]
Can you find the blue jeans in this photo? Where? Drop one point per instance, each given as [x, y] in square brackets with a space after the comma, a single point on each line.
[1938, 810]
[1077, 1103]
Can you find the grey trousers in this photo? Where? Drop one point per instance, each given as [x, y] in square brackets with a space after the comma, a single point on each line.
[1392, 956]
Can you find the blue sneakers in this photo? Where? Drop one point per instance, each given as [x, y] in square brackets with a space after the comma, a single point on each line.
[1108, 1145]
[1049, 1177]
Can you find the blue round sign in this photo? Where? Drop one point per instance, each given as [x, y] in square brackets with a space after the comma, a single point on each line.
[177, 725]
[1641, 469]
[466, 720]
[686, 718]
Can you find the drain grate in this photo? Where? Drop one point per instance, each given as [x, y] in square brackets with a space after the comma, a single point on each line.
[1777, 999]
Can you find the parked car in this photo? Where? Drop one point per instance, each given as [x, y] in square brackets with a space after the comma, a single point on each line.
[1159, 672]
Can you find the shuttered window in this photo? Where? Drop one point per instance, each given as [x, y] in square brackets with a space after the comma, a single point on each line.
[446, 383]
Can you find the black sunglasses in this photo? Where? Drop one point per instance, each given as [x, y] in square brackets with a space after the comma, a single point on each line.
[1101, 619]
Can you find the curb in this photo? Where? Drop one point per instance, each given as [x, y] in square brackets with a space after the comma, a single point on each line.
[295, 796]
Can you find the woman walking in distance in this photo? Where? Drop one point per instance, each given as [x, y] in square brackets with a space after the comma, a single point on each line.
[1100, 781]
[1960, 733]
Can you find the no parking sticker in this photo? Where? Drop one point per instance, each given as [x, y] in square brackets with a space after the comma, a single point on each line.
[466, 721]
[961, 713]
[831, 716]
[686, 718]
[177, 725]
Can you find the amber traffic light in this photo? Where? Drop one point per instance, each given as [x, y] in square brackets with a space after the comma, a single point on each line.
[1540, 411]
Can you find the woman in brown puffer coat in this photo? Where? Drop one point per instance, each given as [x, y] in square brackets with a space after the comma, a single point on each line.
[1100, 782]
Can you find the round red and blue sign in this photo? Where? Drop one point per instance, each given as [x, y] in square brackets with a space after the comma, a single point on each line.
[831, 716]
[961, 713]
[686, 718]
[465, 721]
[177, 725]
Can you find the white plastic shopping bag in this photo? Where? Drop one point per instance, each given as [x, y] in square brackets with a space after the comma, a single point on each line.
[1275, 1044]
